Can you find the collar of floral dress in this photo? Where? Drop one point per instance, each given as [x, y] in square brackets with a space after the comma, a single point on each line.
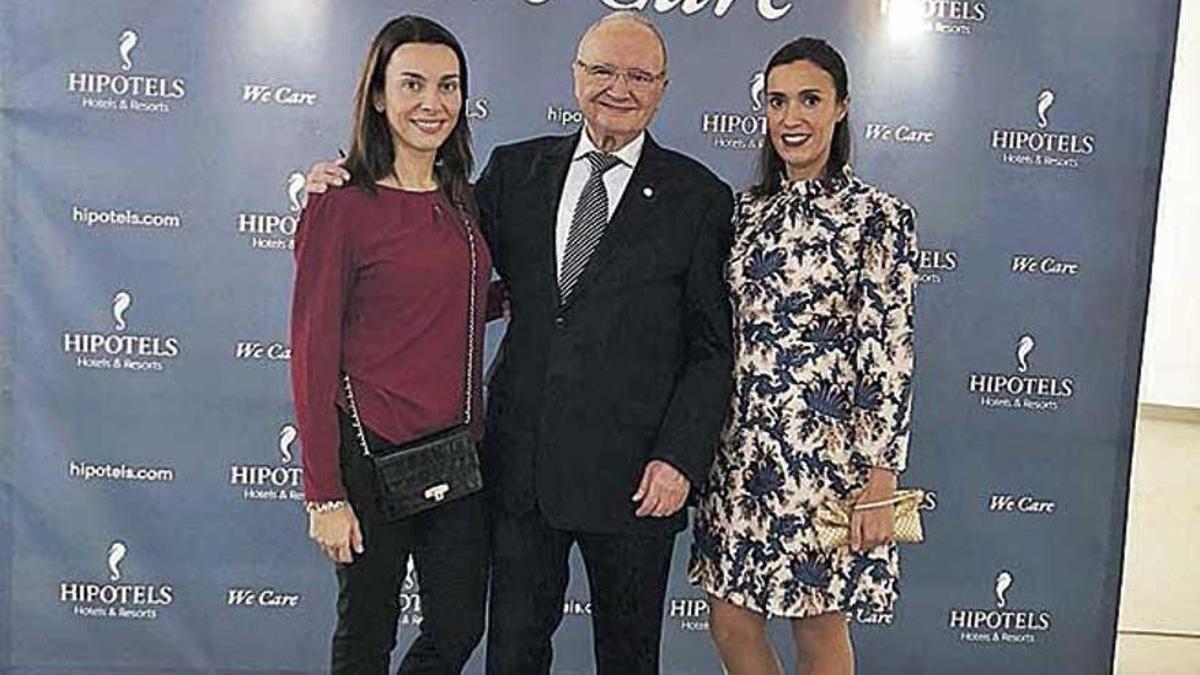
[823, 186]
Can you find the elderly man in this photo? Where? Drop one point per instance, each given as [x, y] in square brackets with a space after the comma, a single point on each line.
[614, 376]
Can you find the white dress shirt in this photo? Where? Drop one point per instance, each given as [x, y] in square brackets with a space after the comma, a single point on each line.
[616, 180]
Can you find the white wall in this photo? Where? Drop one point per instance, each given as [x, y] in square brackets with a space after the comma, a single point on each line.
[1171, 364]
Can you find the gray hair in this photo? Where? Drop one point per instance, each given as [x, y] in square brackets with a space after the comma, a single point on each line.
[627, 15]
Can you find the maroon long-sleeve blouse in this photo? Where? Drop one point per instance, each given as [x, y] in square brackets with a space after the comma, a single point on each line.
[381, 294]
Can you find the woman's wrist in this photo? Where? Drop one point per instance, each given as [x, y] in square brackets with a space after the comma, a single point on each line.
[882, 473]
[319, 507]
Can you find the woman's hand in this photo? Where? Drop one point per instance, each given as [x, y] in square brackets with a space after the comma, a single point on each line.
[338, 533]
[324, 174]
[871, 527]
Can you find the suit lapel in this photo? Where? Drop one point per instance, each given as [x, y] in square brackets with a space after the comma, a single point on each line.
[547, 177]
[629, 219]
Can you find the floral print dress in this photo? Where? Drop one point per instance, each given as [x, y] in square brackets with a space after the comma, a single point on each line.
[821, 277]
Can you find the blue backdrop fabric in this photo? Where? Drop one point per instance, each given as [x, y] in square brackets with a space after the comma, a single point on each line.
[151, 166]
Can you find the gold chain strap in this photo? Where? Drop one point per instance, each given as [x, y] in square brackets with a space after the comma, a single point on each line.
[470, 379]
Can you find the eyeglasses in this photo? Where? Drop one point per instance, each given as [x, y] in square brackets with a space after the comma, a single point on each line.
[636, 78]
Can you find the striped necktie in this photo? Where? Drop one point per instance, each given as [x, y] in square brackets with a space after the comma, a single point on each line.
[588, 222]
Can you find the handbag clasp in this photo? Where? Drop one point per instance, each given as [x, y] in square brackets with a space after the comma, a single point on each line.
[438, 492]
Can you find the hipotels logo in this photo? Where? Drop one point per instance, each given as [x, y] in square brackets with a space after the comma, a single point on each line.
[564, 115]
[1005, 623]
[89, 471]
[934, 265]
[276, 231]
[746, 130]
[409, 598]
[478, 108]
[296, 195]
[758, 87]
[126, 91]
[108, 218]
[1023, 389]
[110, 598]
[121, 303]
[1044, 101]
[573, 606]
[125, 45]
[121, 350]
[1043, 147]
[771, 10]
[691, 613]
[943, 17]
[282, 481]
[116, 555]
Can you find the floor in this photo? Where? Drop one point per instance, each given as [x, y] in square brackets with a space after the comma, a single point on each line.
[1159, 627]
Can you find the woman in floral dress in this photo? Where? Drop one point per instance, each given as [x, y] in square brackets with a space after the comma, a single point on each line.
[821, 276]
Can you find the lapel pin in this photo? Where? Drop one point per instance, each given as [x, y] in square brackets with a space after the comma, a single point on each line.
[647, 192]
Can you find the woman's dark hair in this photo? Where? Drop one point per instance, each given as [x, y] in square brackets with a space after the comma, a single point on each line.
[770, 164]
[371, 155]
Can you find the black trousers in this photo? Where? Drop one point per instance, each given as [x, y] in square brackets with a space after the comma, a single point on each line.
[627, 575]
[448, 545]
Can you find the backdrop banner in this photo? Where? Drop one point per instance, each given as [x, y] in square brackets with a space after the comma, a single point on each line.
[152, 173]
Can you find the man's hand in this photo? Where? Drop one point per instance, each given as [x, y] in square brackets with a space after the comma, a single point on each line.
[324, 174]
[663, 490]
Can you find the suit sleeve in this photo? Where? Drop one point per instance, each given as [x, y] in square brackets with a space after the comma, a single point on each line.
[692, 425]
[488, 189]
[323, 277]
[884, 334]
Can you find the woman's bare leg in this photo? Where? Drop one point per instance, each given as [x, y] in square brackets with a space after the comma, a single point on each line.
[823, 645]
[741, 637]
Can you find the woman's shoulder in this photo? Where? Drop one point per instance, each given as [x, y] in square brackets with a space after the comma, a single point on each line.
[334, 215]
[347, 208]
[882, 202]
[337, 199]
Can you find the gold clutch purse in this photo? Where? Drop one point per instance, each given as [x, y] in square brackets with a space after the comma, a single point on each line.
[833, 519]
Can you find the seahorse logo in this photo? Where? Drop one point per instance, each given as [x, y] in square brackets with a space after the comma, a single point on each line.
[1024, 347]
[125, 45]
[120, 304]
[287, 436]
[411, 582]
[1004, 581]
[1044, 101]
[116, 554]
[758, 83]
[295, 191]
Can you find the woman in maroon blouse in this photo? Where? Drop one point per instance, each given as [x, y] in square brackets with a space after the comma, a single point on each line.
[381, 294]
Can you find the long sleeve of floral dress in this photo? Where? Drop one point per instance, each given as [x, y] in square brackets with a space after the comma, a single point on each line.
[884, 336]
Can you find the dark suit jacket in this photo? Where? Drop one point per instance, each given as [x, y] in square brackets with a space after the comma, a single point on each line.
[635, 366]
